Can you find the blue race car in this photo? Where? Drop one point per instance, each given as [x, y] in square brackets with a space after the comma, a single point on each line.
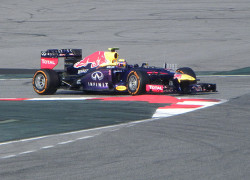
[102, 71]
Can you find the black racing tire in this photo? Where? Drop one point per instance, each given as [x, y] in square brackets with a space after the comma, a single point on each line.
[136, 82]
[186, 70]
[185, 85]
[45, 82]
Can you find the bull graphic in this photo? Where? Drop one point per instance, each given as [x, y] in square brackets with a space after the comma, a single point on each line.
[94, 59]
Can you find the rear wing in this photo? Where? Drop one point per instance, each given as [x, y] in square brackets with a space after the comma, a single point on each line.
[50, 58]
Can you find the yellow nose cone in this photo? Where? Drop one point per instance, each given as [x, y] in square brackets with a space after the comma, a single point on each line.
[186, 77]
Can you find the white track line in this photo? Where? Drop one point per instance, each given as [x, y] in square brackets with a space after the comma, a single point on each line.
[60, 99]
[43, 147]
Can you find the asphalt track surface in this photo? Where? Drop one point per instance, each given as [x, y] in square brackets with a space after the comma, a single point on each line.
[210, 143]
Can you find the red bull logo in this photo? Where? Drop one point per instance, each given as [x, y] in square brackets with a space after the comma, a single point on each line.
[177, 76]
[94, 59]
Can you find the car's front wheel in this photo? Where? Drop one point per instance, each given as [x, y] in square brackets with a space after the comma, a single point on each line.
[136, 82]
[45, 82]
[185, 84]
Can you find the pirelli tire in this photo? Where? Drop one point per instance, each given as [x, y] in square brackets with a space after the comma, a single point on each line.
[185, 85]
[45, 82]
[136, 82]
[186, 70]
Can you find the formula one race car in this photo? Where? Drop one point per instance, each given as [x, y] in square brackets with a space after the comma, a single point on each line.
[103, 71]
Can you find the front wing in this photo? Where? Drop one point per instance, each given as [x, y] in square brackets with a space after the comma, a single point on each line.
[201, 87]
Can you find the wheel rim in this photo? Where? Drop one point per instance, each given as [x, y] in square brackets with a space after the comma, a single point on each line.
[133, 83]
[40, 81]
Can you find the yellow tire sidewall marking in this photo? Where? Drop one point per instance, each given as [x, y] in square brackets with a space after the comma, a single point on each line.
[139, 82]
[46, 80]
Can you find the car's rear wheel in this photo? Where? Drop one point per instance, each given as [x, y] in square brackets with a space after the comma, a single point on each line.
[136, 82]
[45, 82]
